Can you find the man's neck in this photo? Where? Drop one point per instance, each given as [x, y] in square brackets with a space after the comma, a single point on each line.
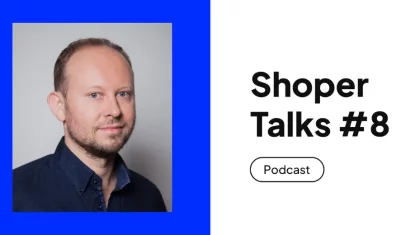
[103, 167]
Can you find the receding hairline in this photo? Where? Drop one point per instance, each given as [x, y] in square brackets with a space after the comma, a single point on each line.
[60, 67]
[86, 49]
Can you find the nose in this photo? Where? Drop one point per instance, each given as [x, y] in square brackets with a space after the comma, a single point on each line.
[113, 108]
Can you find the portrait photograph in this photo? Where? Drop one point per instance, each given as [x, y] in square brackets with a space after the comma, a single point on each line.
[92, 117]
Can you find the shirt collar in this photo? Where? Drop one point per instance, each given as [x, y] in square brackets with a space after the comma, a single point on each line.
[80, 174]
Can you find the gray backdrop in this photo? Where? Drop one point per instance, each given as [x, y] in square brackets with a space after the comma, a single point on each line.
[36, 131]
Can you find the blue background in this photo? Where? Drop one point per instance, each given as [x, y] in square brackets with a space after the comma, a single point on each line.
[191, 117]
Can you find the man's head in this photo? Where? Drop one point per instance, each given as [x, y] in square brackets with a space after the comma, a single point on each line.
[94, 95]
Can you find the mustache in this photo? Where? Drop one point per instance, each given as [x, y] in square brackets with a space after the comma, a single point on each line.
[112, 123]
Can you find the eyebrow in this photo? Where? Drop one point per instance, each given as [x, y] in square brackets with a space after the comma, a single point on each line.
[121, 88]
[126, 87]
[95, 87]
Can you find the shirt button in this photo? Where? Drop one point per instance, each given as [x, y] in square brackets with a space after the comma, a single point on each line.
[81, 190]
[99, 207]
[95, 181]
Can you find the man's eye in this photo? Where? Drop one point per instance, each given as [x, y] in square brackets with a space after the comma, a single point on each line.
[94, 95]
[123, 93]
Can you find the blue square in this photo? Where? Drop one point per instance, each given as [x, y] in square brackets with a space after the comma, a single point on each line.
[190, 117]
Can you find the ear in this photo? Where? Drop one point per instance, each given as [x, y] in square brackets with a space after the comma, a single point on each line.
[57, 105]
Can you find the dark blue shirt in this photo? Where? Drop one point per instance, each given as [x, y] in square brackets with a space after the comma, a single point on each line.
[62, 182]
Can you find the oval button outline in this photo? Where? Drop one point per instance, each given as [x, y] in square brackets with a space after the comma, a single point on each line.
[250, 171]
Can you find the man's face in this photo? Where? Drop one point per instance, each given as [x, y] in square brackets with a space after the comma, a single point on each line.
[100, 104]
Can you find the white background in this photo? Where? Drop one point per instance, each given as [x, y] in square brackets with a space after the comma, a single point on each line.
[371, 184]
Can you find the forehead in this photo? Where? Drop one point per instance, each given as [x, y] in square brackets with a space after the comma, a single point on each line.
[98, 66]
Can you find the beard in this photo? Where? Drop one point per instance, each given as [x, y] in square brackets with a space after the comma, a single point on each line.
[88, 141]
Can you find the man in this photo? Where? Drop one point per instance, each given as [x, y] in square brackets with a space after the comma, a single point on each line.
[94, 98]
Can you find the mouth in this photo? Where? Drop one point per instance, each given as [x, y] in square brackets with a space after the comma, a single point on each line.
[112, 129]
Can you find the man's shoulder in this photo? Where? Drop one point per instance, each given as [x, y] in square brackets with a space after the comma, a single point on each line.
[141, 181]
[148, 191]
[33, 168]
[28, 179]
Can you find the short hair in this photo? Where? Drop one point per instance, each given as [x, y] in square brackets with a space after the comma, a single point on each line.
[60, 81]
